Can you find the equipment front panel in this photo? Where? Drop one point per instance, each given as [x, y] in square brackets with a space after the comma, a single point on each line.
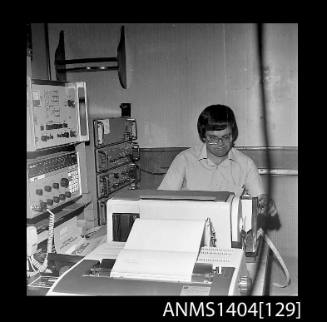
[113, 156]
[57, 114]
[114, 130]
[114, 179]
[51, 182]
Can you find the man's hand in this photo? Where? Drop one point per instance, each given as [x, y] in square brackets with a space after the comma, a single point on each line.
[267, 206]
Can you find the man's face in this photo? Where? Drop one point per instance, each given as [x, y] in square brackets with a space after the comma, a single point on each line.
[219, 143]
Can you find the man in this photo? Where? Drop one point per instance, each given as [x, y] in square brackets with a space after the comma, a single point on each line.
[216, 165]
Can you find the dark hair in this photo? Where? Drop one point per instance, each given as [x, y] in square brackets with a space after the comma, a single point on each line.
[216, 118]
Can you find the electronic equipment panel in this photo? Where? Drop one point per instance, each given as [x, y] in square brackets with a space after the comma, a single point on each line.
[114, 130]
[102, 210]
[115, 179]
[116, 155]
[56, 114]
[52, 181]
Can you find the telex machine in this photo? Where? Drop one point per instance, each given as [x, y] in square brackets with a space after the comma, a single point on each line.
[169, 243]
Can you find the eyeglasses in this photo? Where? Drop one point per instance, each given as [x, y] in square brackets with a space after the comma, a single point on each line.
[213, 139]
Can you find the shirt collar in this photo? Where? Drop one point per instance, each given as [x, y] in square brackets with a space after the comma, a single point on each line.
[203, 153]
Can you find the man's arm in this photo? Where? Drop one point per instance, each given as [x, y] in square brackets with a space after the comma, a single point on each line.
[174, 177]
[253, 181]
[255, 188]
[267, 205]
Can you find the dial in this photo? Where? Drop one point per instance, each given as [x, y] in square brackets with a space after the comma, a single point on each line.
[64, 182]
[47, 188]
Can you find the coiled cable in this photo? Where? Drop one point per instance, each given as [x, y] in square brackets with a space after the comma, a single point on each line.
[35, 263]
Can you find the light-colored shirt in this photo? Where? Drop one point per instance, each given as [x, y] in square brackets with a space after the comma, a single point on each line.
[192, 170]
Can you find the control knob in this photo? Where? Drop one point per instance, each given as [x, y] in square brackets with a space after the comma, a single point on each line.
[47, 188]
[43, 205]
[64, 182]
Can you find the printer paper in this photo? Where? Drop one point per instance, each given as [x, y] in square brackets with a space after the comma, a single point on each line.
[160, 250]
[218, 212]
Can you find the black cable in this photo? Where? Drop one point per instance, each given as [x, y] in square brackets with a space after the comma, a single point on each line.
[261, 48]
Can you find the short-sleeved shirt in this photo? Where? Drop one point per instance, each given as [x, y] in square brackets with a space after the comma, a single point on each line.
[193, 170]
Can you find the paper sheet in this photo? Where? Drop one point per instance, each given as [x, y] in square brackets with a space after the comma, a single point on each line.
[219, 214]
[160, 250]
[67, 236]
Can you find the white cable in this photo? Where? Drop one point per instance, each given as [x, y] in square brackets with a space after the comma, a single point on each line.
[51, 230]
[278, 256]
[42, 267]
[31, 274]
[29, 260]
